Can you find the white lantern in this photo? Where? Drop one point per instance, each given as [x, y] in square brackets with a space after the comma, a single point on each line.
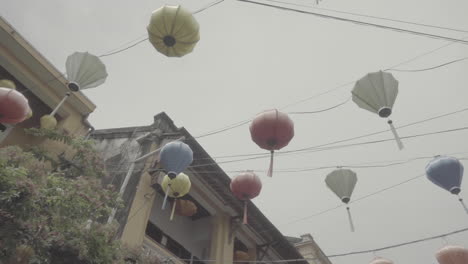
[173, 31]
[377, 92]
[342, 183]
[84, 71]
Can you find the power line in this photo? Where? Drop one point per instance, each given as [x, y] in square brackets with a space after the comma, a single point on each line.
[371, 16]
[458, 231]
[359, 22]
[430, 68]
[347, 139]
[322, 110]
[400, 244]
[352, 201]
[335, 147]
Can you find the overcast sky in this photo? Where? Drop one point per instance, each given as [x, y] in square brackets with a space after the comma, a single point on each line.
[252, 58]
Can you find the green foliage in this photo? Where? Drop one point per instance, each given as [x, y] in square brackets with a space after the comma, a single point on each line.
[55, 211]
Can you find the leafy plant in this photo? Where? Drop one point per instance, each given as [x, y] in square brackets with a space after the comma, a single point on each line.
[53, 209]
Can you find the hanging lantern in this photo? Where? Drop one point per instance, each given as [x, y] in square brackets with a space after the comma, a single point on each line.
[381, 261]
[452, 255]
[175, 187]
[447, 173]
[342, 183]
[84, 71]
[272, 130]
[14, 107]
[29, 115]
[245, 187]
[173, 31]
[175, 157]
[240, 256]
[185, 207]
[48, 122]
[377, 92]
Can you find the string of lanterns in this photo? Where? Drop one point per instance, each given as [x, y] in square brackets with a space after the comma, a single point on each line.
[174, 32]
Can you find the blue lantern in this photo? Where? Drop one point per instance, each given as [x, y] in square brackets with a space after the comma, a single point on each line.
[175, 157]
[447, 173]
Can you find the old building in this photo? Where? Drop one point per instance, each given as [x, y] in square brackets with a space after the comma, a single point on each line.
[309, 249]
[214, 233]
[43, 85]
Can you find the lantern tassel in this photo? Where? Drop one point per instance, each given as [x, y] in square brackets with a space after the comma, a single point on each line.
[350, 218]
[270, 170]
[463, 204]
[395, 134]
[173, 210]
[245, 222]
[165, 198]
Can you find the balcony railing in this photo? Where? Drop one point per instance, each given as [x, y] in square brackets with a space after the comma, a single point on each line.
[154, 249]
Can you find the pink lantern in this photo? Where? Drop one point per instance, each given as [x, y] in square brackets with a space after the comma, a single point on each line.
[246, 186]
[452, 255]
[14, 107]
[272, 130]
[381, 261]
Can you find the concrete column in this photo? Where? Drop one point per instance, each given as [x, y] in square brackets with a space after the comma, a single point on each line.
[222, 249]
[135, 228]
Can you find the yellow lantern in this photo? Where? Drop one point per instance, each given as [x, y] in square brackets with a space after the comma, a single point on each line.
[173, 31]
[48, 122]
[7, 84]
[29, 115]
[175, 188]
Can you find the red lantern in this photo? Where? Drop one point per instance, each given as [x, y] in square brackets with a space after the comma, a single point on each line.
[246, 186]
[272, 130]
[452, 255]
[14, 107]
[185, 207]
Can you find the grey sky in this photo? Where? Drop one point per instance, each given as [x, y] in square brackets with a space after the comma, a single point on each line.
[252, 58]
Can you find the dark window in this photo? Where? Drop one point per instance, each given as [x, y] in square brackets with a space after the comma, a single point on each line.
[154, 232]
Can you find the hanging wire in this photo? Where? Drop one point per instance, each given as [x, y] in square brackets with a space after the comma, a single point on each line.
[373, 251]
[359, 22]
[322, 110]
[430, 68]
[370, 16]
[399, 245]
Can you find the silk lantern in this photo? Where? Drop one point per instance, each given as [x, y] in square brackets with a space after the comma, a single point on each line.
[342, 183]
[447, 173]
[14, 107]
[84, 71]
[173, 31]
[245, 187]
[175, 157]
[452, 255]
[377, 92]
[185, 207]
[272, 130]
[175, 187]
[381, 261]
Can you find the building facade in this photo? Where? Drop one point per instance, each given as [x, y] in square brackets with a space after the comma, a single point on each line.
[309, 249]
[44, 87]
[214, 234]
